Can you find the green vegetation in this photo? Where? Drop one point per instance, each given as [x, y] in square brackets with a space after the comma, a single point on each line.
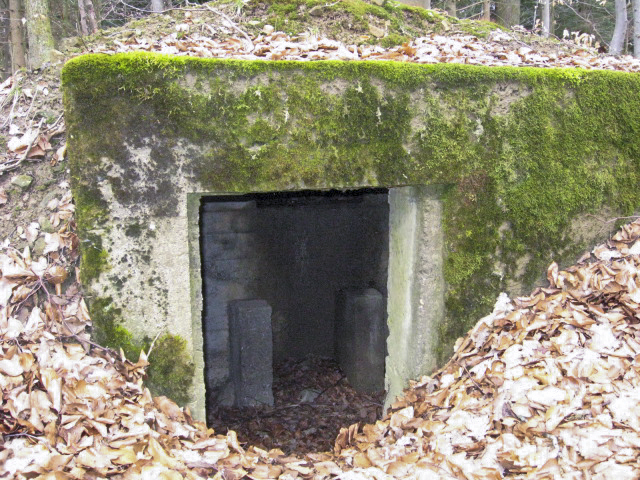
[90, 211]
[171, 369]
[521, 151]
[170, 372]
[108, 330]
[95, 259]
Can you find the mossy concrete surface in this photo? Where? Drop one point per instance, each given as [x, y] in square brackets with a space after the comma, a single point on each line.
[529, 158]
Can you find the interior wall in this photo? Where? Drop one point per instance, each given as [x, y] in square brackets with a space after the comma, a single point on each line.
[229, 264]
[311, 248]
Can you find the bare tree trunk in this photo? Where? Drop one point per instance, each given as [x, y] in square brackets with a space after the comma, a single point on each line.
[83, 18]
[417, 3]
[91, 16]
[38, 33]
[18, 59]
[546, 18]
[450, 7]
[157, 5]
[508, 12]
[636, 28]
[617, 42]
[486, 10]
[68, 19]
[5, 44]
[88, 20]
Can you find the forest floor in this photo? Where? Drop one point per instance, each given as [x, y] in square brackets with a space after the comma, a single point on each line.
[527, 394]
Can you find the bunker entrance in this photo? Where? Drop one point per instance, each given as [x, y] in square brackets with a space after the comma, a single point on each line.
[294, 318]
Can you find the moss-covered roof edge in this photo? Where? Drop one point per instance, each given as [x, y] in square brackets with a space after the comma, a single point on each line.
[83, 71]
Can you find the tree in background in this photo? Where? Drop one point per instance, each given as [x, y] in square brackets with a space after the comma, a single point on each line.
[508, 12]
[486, 10]
[636, 28]
[451, 7]
[16, 36]
[418, 3]
[620, 31]
[88, 20]
[39, 33]
[546, 18]
[5, 33]
[157, 5]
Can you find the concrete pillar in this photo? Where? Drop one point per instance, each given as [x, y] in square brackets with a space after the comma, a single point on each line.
[251, 352]
[360, 338]
[415, 302]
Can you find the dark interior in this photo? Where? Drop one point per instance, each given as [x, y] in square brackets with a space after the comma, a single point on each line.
[301, 252]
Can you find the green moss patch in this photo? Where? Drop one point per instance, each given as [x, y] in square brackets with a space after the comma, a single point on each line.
[171, 368]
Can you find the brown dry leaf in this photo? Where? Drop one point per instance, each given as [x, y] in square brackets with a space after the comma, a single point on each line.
[124, 456]
[60, 153]
[20, 144]
[160, 456]
[90, 458]
[398, 469]
[11, 366]
[401, 417]
[345, 438]
[360, 460]
[167, 406]
[53, 383]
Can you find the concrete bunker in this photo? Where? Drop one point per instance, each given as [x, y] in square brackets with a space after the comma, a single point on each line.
[297, 273]
[151, 135]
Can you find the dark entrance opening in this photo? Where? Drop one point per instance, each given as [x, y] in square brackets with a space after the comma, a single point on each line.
[294, 282]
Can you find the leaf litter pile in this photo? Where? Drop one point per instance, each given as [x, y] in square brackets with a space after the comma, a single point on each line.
[547, 386]
[312, 401]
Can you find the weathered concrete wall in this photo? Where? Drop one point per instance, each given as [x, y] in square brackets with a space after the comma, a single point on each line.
[522, 154]
[313, 248]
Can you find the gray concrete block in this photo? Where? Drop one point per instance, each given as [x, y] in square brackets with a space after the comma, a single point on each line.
[227, 270]
[217, 341]
[361, 335]
[251, 352]
[228, 246]
[220, 217]
[416, 285]
[217, 369]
